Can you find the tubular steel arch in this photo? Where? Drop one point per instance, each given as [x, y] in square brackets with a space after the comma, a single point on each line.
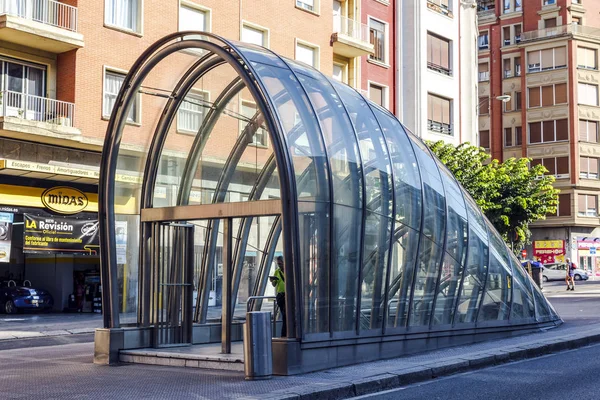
[378, 238]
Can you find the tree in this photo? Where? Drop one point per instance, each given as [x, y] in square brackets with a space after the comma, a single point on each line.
[511, 194]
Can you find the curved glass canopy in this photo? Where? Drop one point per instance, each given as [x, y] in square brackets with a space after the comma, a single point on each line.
[377, 235]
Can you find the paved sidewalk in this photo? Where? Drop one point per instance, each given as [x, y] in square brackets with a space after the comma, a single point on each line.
[357, 380]
[23, 326]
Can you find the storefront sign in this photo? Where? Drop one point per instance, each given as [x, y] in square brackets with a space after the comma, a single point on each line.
[60, 234]
[64, 200]
[6, 221]
[549, 251]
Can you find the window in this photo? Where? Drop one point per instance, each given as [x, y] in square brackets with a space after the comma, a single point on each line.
[248, 110]
[483, 41]
[518, 136]
[587, 58]
[484, 72]
[484, 139]
[377, 32]
[339, 72]
[549, 2]
[508, 106]
[547, 59]
[548, 131]
[547, 95]
[123, 14]
[254, 35]
[438, 114]
[441, 6]
[484, 105]
[518, 30]
[564, 205]
[517, 66]
[588, 131]
[112, 85]
[378, 94]
[191, 112]
[193, 19]
[550, 23]
[588, 167]
[576, 20]
[508, 137]
[507, 68]
[512, 6]
[506, 35]
[518, 101]
[307, 54]
[557, 166]
[438, 54]
[310, 5]
[587, 94]
[514, 104]
[587, 205]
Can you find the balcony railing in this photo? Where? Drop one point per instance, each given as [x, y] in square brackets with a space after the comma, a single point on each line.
[439, 68]
[439, 127]
[439, 7]
[349, 27]
[47, 12]
[562, 30]
[484, 76]
[36, 108]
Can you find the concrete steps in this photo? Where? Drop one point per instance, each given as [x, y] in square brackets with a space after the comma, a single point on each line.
[207, 356]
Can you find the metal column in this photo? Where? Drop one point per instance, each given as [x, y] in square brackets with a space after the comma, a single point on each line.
[226, 317]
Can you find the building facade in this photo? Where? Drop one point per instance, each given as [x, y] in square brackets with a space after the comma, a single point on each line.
[63, 64]
[544, 55]
[435, 88]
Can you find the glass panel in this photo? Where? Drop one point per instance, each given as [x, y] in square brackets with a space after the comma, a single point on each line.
[346, 236]
[191, 19]
[407, 183]
[435, 207]
[456, 230]
[497, 298]
[253, 35]
[306, 54]
[447, 291]
[522, 305]
[475, 276]
[404, 257]
[428, 267]
[375, 259]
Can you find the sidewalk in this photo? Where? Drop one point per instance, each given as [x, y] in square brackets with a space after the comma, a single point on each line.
[346, 382]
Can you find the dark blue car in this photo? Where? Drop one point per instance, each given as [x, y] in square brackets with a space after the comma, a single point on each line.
[20, 296]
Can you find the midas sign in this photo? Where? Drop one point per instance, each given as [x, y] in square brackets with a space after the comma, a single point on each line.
[64, 200]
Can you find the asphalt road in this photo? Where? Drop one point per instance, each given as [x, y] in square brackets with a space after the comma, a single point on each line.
[566, 375]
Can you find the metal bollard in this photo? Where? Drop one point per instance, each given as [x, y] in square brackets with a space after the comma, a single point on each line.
[258, 353]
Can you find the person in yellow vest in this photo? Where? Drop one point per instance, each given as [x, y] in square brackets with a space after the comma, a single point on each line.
[278, 281]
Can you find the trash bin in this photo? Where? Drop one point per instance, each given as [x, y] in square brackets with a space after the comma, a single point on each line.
[536, 273]
[258, 353]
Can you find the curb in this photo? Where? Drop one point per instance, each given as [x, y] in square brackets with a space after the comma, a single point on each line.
[406, 376]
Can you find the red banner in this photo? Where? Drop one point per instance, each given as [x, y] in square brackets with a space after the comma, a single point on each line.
[549, 251]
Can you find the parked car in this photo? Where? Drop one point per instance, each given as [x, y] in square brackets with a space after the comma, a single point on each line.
[19, 296]
[558, 271]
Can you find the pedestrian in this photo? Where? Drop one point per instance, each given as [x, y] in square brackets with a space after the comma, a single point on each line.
[571, 267]
[278, 281]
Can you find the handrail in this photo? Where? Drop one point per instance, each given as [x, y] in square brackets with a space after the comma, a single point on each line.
[49, 12]
[257, 298]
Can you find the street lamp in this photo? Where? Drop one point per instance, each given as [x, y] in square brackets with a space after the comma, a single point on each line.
[505, 98]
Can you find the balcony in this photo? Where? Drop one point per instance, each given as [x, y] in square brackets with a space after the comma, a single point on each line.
[484, 76]
[439, 7]
[438, 68]
[439, 127]
[563, 30]
[350, 38]
[41, 24]
[26, 114]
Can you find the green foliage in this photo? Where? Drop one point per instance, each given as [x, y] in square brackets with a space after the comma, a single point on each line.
[511, 194]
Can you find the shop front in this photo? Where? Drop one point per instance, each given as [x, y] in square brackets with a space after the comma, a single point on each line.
[49, 240]
[587, 248]
[549, 251]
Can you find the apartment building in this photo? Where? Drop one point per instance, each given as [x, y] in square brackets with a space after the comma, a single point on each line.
[435, 92]
[544, 55]
[62, 65]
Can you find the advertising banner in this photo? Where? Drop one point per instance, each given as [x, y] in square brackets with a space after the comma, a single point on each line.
[6, 221]
[59, 234]
[549, 251]
[121, 239]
